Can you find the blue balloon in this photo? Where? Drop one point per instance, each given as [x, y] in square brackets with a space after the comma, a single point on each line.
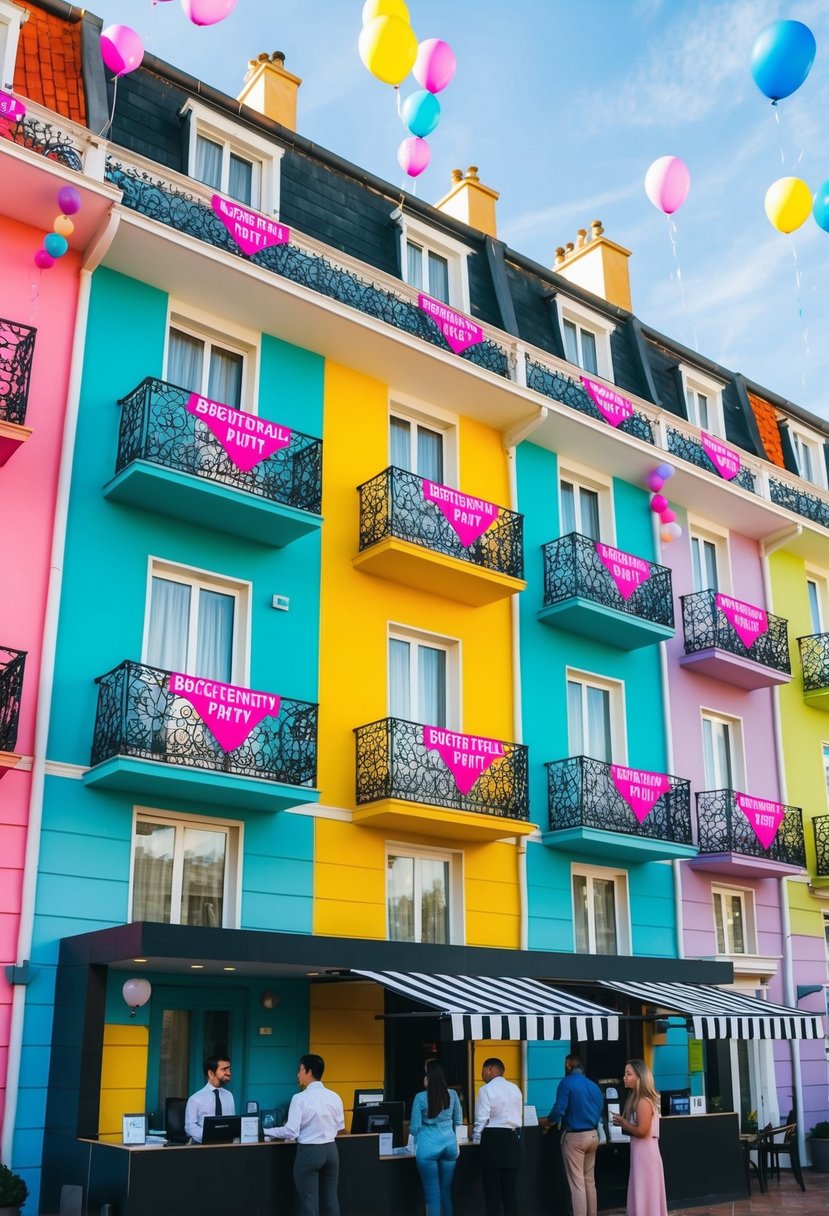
[55, 244]
[782, 57]
[421, 112]
[820, 210]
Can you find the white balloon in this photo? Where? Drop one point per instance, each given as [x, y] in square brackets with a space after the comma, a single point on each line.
[137, 992]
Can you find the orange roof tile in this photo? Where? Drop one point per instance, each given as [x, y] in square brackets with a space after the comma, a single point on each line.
[769, 431]
[48, 68]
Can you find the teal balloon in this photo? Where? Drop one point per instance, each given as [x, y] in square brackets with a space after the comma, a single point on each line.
[421, 112]
[55, 244]
[820, 209]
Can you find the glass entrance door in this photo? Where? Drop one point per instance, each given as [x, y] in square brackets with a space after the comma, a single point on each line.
[186, 1026]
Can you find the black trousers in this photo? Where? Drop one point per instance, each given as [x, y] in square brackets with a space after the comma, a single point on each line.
[316, 1172]
[500, 1156]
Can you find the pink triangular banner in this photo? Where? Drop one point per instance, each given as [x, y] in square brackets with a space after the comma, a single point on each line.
[628, 572]
[764, 816]
[747, 621]
[457, 329]
[613, 407]
[466, 756]
[11, 108]
[247, 438]
[229, 711]
[251, 231]
[469, 517]
[640, 789]
[724, 459]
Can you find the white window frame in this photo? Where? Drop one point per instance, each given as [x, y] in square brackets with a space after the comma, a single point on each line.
[618, 724]
[452, 648]
[417, 413]
[737, 737]
[432, 240]
[802, 435]
[746, 895]
[213, 330]
[234, 830]
[587, 479]
[241, 589]
[695, 382]
[455, 858]
[240, 140]
[621, 900]
[598, 325]
[704, 530]
[820, 581]
[11, 19]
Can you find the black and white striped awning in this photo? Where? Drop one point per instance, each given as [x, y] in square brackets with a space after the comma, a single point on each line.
[720, 1013]
[482, 1007]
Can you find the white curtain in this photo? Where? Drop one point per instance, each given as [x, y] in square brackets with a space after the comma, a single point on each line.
[203, 877]
[589, 503]
[153, 874]
[225, 378]
[604, 914]
[434, 907]
[240, 181]
[401, 899]
[214, 639]
[589, 361]
[185, 359]
[400, 443]
[414, 266]
[588, 721]
[400, 693]
[429, 454]
[438, 278]
[169, 624]
[431, 686]
[209, 162]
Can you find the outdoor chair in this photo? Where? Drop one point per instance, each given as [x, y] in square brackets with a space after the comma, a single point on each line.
[774, 1143]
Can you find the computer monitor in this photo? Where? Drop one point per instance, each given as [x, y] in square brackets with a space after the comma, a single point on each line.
[367, 1097]
[221, 1129]
[379, 1117]
[676, 1102]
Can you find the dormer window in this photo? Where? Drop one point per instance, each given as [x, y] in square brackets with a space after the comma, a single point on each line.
[586, 337]
[808, 453]
[434, 263]
[231, 159]
[703, 401]
[227, 172]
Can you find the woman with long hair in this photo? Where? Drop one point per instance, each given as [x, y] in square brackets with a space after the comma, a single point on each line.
[640, 1121]
[436, 1112]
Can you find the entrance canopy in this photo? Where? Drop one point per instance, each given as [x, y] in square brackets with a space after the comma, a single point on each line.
[484, 1007]
[719, 1013]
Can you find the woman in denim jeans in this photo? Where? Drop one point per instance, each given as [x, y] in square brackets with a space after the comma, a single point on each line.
[436, 1112]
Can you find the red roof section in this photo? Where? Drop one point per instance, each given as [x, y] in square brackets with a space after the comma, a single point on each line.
[769, 431]
[48, 68]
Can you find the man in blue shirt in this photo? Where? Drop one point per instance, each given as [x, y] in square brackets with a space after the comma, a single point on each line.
[578, 1110]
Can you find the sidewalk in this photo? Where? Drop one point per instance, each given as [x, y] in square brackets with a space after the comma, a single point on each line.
[783, 1198]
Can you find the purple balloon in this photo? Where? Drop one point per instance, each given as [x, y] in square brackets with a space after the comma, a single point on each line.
[665, 471]
[69, 200]
[435, 65]
[207, 12]
[121, 49]
[659, 504]
[654, 482]
[44, 260]
[414, 155]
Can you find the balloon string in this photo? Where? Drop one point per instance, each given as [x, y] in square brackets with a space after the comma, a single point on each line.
[798, 285]
[108, 124]
[677, 274]
[34, 299]
[776, 111]
[398, 101]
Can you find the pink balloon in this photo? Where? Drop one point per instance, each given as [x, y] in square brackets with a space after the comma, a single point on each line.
[667, 183]
[44, 260]
[667, 516]
[654, 482]
[207, 12]
[659, 503]
[414, 155]
[435, 65]
[121, 49]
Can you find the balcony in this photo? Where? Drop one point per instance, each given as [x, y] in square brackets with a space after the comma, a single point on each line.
[170, 462]
[149, 740]
[407, 539]
[714, 647]
[601, 593]
[820, 824]
[687, 447]
[814, 660]
[12, 663]
[404, 786]
[729, 843]
[561, 387]
[796, 499]
[17, 348]
[589, 815]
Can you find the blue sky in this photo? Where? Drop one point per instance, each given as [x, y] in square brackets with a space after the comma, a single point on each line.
[563, 104]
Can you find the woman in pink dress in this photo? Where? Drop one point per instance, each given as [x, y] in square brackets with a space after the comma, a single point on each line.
[640, 1121]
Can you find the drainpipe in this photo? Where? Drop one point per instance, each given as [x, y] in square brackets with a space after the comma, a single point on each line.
[93, 256]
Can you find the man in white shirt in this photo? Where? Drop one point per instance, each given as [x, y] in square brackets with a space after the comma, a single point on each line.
[499, 1114]
[314, 1118]
[212, 1100]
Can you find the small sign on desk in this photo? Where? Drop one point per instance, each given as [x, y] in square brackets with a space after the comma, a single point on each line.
[386, 1144]
[134, 1129]
[698, 1104]
[249, 1129]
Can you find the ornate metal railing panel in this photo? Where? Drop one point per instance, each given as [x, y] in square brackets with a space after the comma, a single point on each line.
[800, 501]
[393, 763]
[687, 448]
[706, 626]
[814, 659]
[392, 504]
[12, 663]
[573, 567]
[581, 794]
[820, 823]
[723, 828]
[156, 426]
[561, 388]
[138, 716]
[47, 140]
[186, 213]
[17, 348]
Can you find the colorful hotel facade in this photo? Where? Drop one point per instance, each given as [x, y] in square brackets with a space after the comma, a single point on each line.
[366, 667]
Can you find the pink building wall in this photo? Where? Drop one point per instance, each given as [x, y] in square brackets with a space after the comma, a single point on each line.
[28, 487]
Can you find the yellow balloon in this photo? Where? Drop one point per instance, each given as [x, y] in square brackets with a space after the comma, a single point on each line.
[388, 48]
[788, 203]
[63, 226]
[384, 8]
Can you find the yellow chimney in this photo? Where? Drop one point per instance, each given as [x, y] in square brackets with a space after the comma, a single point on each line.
[270, 90]
[597, 264]
[470, 201]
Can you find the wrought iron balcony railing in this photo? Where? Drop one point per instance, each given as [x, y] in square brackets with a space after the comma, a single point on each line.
[139, 716]
[814, 659]
[800, 501]
[581, 793]
[393, 504]
[12, 663]
[820, 823]
[17, 348]
[42, 136]
[156, 426]
[706, 627]
[723, 828]
[560, 387]
[689, 448]
[572, 567]
[392, 762]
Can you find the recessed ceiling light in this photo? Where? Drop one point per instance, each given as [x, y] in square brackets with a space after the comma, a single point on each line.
[312, 972]
[228, 968]
[197, 966]
[139, 960]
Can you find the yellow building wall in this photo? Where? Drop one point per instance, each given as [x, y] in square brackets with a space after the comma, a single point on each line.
[345, 1032]
[123, 1077]
[356, 611]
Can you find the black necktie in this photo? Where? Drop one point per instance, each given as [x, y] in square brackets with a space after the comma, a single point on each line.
[218, 1098]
